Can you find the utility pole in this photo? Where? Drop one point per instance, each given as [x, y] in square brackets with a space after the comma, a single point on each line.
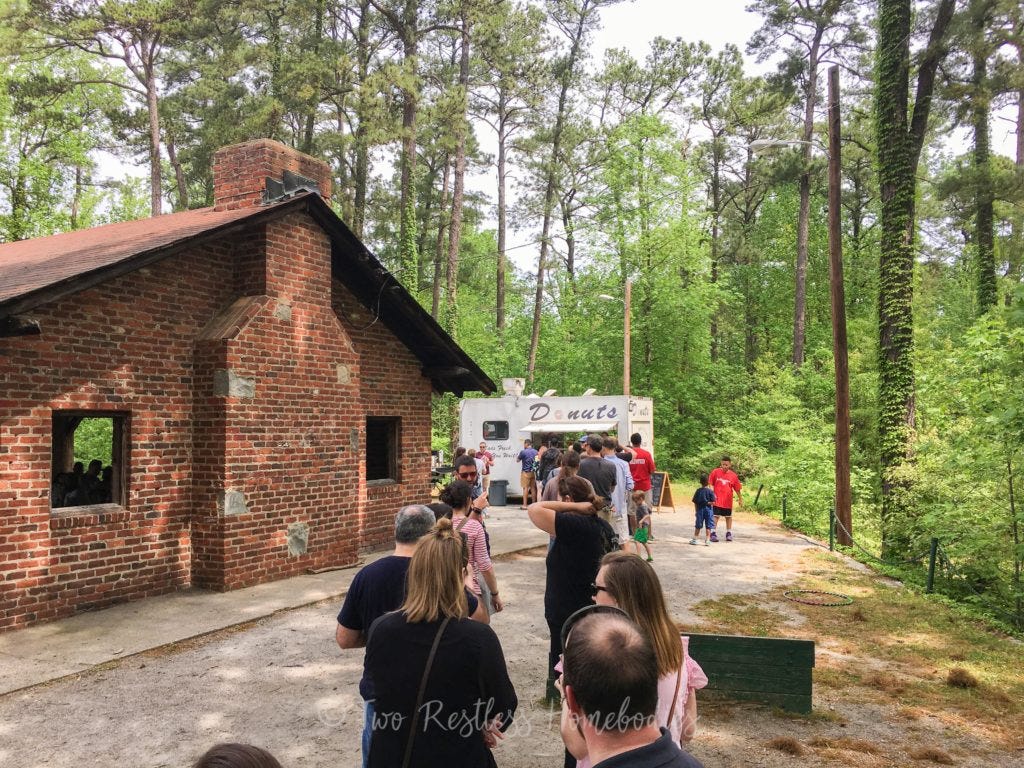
[844, 502]
[625, 340]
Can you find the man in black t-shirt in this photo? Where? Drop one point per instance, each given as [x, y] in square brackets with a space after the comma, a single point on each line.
[599, 472]
[379, 588]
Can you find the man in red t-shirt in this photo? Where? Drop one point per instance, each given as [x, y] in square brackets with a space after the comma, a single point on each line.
[724, 483]
[641, 467]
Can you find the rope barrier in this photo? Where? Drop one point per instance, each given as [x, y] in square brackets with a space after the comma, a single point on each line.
[952, 571]
[911, 561]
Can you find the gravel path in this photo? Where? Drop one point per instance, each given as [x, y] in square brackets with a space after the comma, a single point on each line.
[283, 684]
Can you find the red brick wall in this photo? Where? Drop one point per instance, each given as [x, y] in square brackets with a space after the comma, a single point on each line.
[391, 384]
[124, 346]
[286, 448]
[152, 345]
[240, 171]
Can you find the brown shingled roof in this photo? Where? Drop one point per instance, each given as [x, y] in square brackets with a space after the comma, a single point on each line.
[34, 272]
[27, 266]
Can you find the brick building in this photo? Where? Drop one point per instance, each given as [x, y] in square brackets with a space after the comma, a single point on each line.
[265, 382]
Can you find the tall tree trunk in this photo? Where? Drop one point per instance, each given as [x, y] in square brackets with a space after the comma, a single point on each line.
[18, 229]
[318, 34]
[442, 229]
[716, 213]
[459, 181]
[360, 143]
[499, 278]
[803, 227]
[899, 149]
[570, 235]
[407, 227]
[568, 70]
[76, 201]
[179, 174]
[155, 190]
[984, 234]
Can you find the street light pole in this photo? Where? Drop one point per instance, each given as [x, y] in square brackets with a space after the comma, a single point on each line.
[844, 500]
[626, 333]
[626, 338]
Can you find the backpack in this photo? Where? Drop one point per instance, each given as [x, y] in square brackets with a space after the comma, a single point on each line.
[609, 538]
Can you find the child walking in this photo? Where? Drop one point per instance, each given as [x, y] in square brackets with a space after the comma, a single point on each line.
[643, 524]
[703, 500]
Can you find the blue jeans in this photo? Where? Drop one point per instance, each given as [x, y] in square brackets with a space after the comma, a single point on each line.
[367, 731]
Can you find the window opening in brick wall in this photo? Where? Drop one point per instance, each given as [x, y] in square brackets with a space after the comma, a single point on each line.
[88, 467]
[382, 435]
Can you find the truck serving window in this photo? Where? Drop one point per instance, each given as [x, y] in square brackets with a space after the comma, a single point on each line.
[495, 430]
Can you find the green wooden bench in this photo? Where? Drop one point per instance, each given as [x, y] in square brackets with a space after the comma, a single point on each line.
[770, 670]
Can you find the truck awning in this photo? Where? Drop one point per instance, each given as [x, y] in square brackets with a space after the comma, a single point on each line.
[562, 427]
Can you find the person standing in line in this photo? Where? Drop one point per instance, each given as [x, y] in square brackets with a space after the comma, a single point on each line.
[725, 483]
[488, 459]
[444, 696]
[610, 682]
[527, 476]
[379, 588]
[599, 472]
[623, 489]
[703, 504]
[641, 466]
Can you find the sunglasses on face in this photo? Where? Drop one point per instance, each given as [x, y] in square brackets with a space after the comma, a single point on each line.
[595, 588]
[466, 475]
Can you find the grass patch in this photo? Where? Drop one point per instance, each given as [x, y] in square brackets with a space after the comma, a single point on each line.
[905, 647]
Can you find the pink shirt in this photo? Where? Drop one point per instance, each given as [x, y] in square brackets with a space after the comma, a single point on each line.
[479, 560]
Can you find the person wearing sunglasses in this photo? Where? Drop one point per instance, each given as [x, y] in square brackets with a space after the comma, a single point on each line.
[627, 582]
[466, 469]
[467, 517]
[610, 687]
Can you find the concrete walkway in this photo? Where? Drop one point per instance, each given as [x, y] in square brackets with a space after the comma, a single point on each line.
[47, 652]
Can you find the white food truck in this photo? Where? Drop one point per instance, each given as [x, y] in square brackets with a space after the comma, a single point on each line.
[504, 422]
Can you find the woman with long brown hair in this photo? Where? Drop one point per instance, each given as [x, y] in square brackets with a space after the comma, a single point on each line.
[628, 582]
[431, 666]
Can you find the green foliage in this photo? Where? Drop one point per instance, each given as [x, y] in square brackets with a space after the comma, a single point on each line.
[94, 439]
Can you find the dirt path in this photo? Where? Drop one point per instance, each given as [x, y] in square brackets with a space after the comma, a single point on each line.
[282, 683]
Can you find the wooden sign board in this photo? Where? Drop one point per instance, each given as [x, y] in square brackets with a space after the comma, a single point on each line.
[661, 491]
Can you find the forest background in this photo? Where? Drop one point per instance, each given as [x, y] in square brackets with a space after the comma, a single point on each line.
[652, 169]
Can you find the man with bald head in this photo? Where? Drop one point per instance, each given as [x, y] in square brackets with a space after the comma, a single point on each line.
[610, 683]
[380, 588]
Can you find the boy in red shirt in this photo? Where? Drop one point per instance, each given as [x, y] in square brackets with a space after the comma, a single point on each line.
[724, 483]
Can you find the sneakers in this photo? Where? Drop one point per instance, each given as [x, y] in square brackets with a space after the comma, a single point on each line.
[707, 543]
[693, 541]
[650, 559]
[728, 535]
[714, 536]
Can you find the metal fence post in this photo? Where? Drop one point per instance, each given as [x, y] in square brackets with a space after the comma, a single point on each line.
[831, 529]
[783, 509]
[932, 553]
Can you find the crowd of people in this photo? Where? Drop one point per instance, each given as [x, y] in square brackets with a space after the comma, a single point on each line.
[82, 486]
[435, 684]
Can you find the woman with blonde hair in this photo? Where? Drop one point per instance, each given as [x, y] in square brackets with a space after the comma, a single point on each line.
[431, 666]
[628, 582]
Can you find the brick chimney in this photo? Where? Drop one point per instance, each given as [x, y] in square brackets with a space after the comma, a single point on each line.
[240, 172]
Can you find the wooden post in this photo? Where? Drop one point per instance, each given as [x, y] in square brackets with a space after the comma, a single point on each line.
[844, 502]
[625, 340]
